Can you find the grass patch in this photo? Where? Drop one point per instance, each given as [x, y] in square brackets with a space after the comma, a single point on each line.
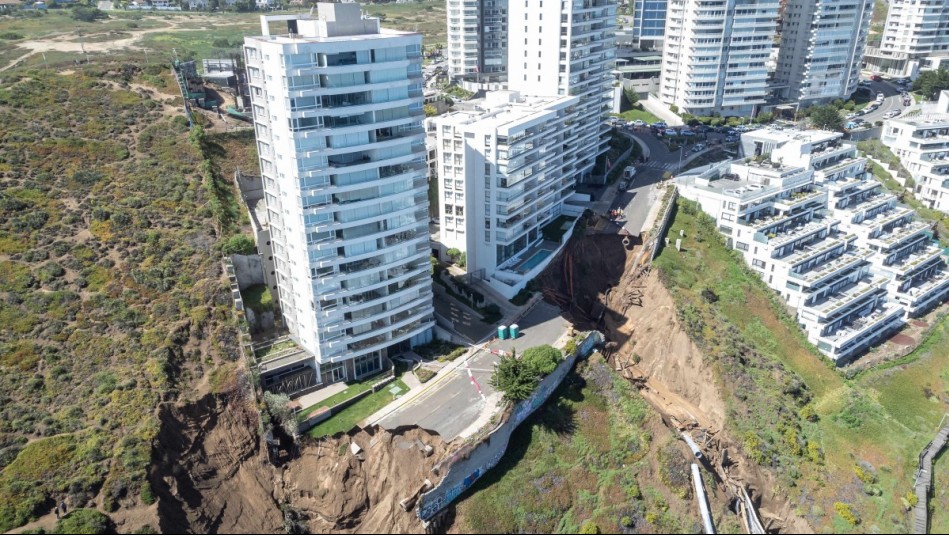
[883, 416]
[258, 298]
[555, 230]
[276, 348]
[353, 388]
[349, 417]
[640, 114]
[584, 456]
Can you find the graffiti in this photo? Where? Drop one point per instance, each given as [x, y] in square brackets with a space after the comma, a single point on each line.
[453, 484]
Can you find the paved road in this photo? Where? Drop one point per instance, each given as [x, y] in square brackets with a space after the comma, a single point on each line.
[542, 325]
[452, 404]
[893, 101]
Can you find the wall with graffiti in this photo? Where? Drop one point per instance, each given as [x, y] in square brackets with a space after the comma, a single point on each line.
[468, 464]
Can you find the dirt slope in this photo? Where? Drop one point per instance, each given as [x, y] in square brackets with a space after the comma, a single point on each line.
[599, 277]
[213, 476]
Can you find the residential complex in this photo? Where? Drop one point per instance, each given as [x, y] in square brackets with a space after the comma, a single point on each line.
[716, 53]
[822, 45]
[921, 141]
[337, 105]
[824, 234]
[915, 38]
[567, 48]
[477, 43]
[504, 174]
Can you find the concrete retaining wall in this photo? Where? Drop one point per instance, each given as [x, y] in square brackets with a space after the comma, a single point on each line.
[665, 219]
[312, 421]
[471, 462]
[248, 269]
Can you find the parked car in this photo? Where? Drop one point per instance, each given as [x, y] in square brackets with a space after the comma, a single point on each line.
[698, 147]
[863, 83]
[670, 132]
[659, 124]
[892, 113]
[701, 129]
[876, 78]
[851, 115]
[639, 122]
[629, 172]
[907, 101]
[731, 139]
[687, 133]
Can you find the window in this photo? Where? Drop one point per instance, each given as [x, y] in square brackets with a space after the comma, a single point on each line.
[741, 246]
[758, 263]
[728, 217]
[367, 364]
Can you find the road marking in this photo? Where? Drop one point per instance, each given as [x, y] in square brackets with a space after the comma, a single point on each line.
[473, 381]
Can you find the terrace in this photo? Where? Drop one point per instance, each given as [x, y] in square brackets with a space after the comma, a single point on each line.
[867, 329]
[899, 235]
[916, 261]
[848, 299]
[841, 265]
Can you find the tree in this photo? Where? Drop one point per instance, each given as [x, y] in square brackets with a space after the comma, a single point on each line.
[88, 14]
[543, 359]
[931, 83]
[515, 378]
[454, 254]
[430, 111]
[826, 118]
[632, 97]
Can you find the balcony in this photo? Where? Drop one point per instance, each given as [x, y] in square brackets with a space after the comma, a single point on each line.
[847, 300]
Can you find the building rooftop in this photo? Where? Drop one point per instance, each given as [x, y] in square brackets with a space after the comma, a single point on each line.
[505, 110]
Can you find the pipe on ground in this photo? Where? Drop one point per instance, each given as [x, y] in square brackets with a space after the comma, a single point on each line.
[702, 499]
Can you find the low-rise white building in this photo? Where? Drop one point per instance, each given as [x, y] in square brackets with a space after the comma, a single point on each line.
[503, 175]
[819, 230]
[921, 141]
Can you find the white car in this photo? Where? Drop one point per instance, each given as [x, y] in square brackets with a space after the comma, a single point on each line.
[638, 122]
[630, 172]
[892, 113]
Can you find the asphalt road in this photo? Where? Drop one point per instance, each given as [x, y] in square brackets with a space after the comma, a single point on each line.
[453, 404]
[892, 101]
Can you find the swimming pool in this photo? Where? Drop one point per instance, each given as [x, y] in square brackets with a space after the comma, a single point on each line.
[533, 261]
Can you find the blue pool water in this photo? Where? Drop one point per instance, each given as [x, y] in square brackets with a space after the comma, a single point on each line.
[531, 263]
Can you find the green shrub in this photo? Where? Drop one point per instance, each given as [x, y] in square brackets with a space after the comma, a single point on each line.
[239, 244]
[88, 14]
[83, 521]
[147, 495]
[424, 374]
[589, 528]
[543, 359]
[846, 512]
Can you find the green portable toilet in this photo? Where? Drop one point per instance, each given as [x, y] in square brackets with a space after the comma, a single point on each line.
[514, 331]
[502, 332]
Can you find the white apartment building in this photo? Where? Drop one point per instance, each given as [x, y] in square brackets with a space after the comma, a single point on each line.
[715, 55]
[337, 105]
[915, 37]
[504, 176]
[822, 46]
[921, 141]
[567, 49]
[477, 43]
[823, 233]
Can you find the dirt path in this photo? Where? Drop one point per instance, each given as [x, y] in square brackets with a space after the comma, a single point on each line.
[66, 42]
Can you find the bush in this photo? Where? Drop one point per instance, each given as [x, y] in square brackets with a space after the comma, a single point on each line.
[82, 521]
[543, 359]
[846, 513]
[239, 244]
[589, 527]
[88, 14]
[424, 374]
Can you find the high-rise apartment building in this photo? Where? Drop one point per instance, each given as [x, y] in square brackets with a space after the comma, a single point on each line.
[567, 49]
[503, 177]
[649, 23]
[337, 105]
[822, 46]
[915, 37]
[715, 55]
[477, 43]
